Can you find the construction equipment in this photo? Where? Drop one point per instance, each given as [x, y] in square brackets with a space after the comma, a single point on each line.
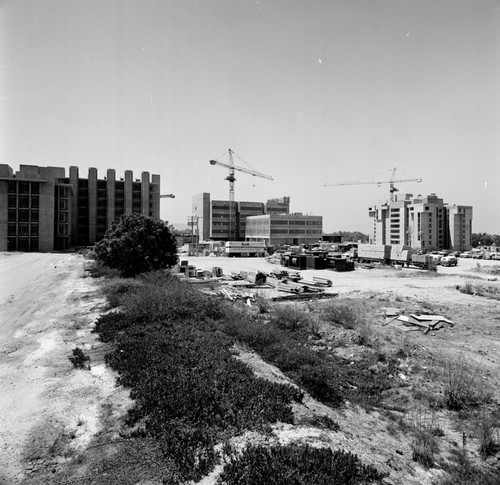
[169, 196]
[231, 178]
[391, 182]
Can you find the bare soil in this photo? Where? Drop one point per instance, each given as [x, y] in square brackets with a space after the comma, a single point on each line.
[52, 413]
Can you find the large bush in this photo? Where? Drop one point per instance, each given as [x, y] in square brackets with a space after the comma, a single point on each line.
[297, 465]
[137, 244]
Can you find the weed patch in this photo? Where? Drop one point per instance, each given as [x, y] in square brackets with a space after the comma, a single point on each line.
[463, 384]
[79, 359]
[296, 464]
[462, 471]
[349, 316]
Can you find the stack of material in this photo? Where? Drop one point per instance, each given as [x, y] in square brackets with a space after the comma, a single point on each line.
[322, 281]
[279, 274]
[423, 322]
[254, 277]
[217, 271]
[231, 294]
[293, 287]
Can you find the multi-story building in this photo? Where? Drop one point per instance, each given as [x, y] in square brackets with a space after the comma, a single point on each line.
[280, 205]
[214, 216]
[421, 222]
[43, 210]
[280, 229]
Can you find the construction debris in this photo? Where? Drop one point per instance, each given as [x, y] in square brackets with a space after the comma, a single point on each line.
[418, 321]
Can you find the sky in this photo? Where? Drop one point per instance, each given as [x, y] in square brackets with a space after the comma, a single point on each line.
[308, 91]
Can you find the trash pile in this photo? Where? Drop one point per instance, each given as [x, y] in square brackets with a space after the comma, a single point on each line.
[419, 321]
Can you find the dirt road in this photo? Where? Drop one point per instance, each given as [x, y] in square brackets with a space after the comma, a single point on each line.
[46, 406]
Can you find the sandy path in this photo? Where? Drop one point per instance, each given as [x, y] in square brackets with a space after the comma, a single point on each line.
[46, 406]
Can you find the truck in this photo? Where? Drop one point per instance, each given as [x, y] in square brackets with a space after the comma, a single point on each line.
[423, 261]
[372, 253]
[392, 254]
[234, 249]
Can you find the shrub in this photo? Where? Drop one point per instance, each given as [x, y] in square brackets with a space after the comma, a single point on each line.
[296, 464]
[289, 317]
[426, 429]
[137, 244]
[487, 426]
[464, 386]
[348, 316]
[467, 288]
[115, 289]
[79, 359]
[189, 390]
[462, 471]
[162, 297]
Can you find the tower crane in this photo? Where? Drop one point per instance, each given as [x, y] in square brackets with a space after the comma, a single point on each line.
[231, 179]
[391, 182]
[165, 196]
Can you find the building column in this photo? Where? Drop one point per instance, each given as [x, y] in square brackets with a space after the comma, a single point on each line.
[73, 180]
[110, 196]
[128, 191]
[155, 181]
[92, 204]
[145, 194]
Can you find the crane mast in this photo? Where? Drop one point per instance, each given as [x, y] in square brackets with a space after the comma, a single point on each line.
[231, 179]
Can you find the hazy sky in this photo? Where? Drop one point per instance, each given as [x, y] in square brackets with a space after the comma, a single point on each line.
[309, 91]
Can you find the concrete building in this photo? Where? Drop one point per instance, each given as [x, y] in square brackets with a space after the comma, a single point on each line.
[43, 210]
[214, 215]
[422, 223]
[280, 229]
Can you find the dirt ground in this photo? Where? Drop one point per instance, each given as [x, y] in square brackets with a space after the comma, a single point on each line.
[46, 406]
[50, 411]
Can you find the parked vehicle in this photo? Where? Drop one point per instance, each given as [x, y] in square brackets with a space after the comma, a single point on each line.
[395, 254]
[423, 261]
[449, 261]
[436, 258]
[244, 248]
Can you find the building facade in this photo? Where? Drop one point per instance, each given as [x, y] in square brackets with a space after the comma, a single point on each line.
[213, 216]
[281, 229]
[422, 223]
[41, 209]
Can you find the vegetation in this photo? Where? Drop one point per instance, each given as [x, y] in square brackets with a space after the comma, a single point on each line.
[464, 387]
[173, 349]
[79, 359]
[137, 244]
[352, 236]
[295, 465]
[462, 471]
[484, 239]
[488, 291]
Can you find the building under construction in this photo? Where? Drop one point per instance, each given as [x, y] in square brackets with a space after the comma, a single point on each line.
[421, 222]
[41, 209]
[270, 222]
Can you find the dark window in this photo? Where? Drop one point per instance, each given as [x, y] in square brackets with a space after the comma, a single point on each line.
[24, 187]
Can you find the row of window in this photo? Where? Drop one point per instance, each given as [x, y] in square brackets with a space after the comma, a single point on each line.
[295, 223]
[22, 243]
[295, 231]
[22, 229]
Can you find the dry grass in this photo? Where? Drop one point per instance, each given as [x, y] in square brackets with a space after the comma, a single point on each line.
[464, 386]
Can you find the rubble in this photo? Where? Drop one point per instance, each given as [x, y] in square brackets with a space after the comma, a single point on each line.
[417, 321]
